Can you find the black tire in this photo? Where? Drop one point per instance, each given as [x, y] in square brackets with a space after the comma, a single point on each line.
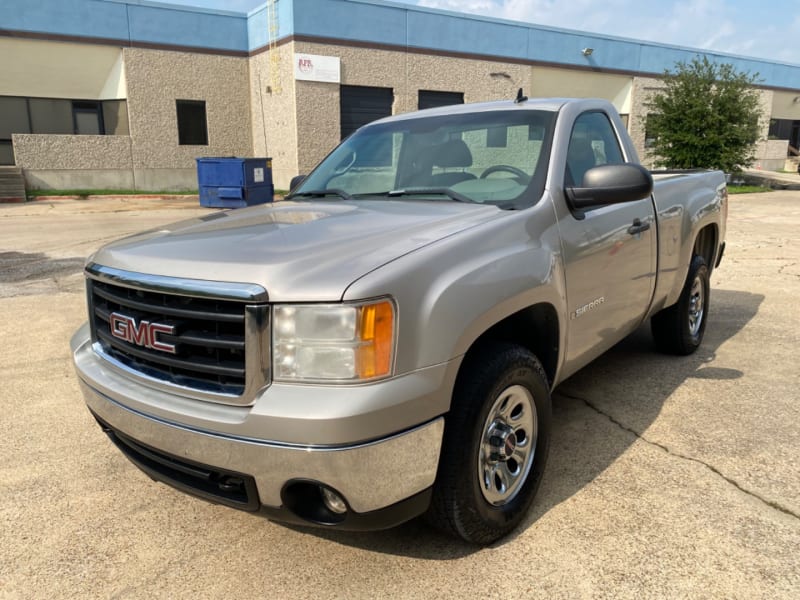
[501, 380]
[679, 329]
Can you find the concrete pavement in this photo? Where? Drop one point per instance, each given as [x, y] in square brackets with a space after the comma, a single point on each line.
[668, 477]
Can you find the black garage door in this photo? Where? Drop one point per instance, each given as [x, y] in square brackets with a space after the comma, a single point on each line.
[360, 105]
[431, 99]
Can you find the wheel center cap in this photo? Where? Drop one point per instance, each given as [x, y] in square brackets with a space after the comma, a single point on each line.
[509, 445]
[503, 443]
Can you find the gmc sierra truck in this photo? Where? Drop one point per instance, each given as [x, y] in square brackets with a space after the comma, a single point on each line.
[384, 342]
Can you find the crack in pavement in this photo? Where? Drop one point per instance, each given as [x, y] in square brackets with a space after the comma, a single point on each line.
[713, 469]
[782, 270]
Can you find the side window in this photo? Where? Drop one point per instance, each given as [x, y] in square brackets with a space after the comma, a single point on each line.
[592, 143]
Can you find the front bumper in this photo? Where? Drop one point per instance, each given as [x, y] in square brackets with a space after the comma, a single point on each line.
[390, 475]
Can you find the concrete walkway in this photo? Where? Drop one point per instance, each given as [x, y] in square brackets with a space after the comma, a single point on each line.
[773, 179]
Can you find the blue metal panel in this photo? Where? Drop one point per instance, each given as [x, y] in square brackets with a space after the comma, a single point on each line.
[161, 25]
[465, 34]
[361, 21]
[85, 18]
[656, 59]
[258, 25]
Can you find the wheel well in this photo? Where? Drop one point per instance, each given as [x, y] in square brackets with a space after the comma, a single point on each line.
[705, 245]
[535, 328]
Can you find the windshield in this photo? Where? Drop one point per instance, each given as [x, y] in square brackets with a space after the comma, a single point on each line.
[492, 157]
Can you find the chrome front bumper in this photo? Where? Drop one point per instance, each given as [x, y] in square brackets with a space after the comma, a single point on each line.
[370, 475]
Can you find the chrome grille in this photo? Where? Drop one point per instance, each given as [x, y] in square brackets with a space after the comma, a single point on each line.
[217, 342]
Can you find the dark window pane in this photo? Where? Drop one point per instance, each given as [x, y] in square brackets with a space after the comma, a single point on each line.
[87, 118]
[6, 153]
[431, 99]
[192, 127]
[13, 117]
[592, 143]
[115, 117]
[359, 105]
[51, 116]
[87, 123]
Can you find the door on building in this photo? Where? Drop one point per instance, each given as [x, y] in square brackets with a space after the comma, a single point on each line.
[434, 99]
[359, 105]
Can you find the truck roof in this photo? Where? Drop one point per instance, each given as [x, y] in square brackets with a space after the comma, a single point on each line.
[547, 104]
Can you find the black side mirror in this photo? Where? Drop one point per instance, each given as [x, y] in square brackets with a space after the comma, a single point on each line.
[296, 180]
[611, 184]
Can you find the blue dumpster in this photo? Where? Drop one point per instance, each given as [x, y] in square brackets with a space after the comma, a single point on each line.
[234, 182]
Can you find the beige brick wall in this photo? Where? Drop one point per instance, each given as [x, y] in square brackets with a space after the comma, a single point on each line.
[317, 104]
[80, 152]
[644, 88]
[273, 113]
[157, 78]
[771, 155]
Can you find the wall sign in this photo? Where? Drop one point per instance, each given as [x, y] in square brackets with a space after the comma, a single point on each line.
[310, 67]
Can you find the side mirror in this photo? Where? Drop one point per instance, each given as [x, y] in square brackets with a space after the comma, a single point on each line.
[296, 180]
[611, 184]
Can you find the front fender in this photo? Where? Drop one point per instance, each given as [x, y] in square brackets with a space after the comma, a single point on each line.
[452, 291]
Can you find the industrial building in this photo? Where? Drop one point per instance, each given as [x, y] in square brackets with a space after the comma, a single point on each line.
[128, 93]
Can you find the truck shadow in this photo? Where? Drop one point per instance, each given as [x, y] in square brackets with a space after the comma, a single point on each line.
[626, 388]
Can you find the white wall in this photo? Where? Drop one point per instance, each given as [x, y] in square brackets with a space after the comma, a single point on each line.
[44, 69]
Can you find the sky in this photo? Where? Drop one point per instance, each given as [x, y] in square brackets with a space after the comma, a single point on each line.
[767, 29]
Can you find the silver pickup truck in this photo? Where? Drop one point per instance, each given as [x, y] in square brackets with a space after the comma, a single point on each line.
[384, 343]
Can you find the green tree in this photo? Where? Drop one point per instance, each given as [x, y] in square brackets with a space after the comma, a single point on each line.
[706, 117]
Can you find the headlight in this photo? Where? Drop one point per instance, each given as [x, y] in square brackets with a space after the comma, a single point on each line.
[333, 342]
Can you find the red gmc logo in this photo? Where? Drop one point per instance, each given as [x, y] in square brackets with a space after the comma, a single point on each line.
[144, 334]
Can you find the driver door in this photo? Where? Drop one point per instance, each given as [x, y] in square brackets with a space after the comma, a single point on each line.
[609, 259]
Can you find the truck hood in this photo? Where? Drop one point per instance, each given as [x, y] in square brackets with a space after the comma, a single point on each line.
[298, 251]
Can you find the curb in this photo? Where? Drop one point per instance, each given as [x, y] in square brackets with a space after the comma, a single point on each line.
[20, 200]
[118, 196]
[774, 182]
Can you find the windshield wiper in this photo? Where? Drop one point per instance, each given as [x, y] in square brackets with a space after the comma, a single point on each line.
[429, 192]
[321, 194]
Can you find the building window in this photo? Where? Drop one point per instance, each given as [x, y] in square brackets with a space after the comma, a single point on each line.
[359, 105]
[192, 125]
[115, 117]
[51, 116]
[13, 119]
[431, 99]
[649, 134]
[87, 118]
[6, 152]
[58, 116]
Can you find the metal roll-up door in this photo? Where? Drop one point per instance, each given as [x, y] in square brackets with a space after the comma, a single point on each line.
[360, 105]
[432, 99]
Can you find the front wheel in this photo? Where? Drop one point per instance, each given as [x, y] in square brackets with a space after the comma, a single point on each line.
[495, 445]
[679, 329]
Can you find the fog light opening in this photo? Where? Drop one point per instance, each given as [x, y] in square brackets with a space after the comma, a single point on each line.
[333, 501]
[314, 501]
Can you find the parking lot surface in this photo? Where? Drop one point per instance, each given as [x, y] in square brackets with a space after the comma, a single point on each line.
[668, 477]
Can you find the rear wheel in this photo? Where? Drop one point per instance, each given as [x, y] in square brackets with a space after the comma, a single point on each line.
[495, 445]
[679, 329]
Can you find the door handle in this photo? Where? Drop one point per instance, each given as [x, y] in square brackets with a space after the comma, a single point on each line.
[638, 227]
